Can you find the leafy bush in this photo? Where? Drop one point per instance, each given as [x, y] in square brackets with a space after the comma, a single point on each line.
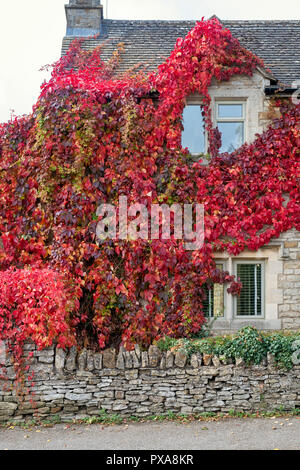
[248, 344]
[166, 343]
[36, 305]
[281, 346]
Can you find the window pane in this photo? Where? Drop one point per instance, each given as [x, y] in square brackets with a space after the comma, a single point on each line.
[230, 110]
[193, 134]
[214, 302]
[232, 135]
[218, 304]
[250, 300]
[208, 306]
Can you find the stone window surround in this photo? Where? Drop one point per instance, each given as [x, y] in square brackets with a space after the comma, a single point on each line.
[240, 89]
[272, 258]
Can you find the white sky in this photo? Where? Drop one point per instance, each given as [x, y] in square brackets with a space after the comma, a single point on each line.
[31, 33]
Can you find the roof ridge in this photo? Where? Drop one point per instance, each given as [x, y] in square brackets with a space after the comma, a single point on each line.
[199, 19]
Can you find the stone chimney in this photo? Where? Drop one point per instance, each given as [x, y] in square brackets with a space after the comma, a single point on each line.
[84, 17]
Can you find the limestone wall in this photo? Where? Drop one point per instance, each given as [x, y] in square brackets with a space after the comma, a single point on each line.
[289, 281]
[140, 384]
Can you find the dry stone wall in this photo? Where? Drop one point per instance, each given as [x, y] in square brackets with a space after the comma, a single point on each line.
[76, 386]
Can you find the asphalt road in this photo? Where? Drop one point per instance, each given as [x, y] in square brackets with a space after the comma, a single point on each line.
[226, 434]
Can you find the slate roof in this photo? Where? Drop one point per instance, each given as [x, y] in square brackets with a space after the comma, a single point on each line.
[150, 42]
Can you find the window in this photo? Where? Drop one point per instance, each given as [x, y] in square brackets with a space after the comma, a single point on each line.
[250, 301]
[231, 123]
[193, 134]
[214, 302]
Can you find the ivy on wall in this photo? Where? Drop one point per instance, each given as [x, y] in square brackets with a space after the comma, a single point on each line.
[92, 138]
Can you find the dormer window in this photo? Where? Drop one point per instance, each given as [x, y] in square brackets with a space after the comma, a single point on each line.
[230, 117]
[193, 134]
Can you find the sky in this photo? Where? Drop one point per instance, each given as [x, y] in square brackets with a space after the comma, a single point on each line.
[31, 33]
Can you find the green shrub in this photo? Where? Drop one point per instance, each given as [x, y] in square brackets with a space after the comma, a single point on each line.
[281, 346]
[166, 343]
[248, 343]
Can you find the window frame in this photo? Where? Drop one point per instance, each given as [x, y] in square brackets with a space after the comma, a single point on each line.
[243, 119]
[197, 101]
[263, 287]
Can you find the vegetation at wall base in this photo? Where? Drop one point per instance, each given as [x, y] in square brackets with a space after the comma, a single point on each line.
[107, 419]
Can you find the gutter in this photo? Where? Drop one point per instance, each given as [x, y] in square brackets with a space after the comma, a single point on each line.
[283, 92]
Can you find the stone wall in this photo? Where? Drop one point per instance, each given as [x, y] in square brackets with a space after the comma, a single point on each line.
[75, 386]
[289, 281]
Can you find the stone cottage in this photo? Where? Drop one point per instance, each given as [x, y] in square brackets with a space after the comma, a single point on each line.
[270, 297]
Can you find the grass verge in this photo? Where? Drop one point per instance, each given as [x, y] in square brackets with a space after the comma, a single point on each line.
[107, 420]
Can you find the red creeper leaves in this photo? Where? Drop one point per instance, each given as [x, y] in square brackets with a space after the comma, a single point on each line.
[92, 138]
